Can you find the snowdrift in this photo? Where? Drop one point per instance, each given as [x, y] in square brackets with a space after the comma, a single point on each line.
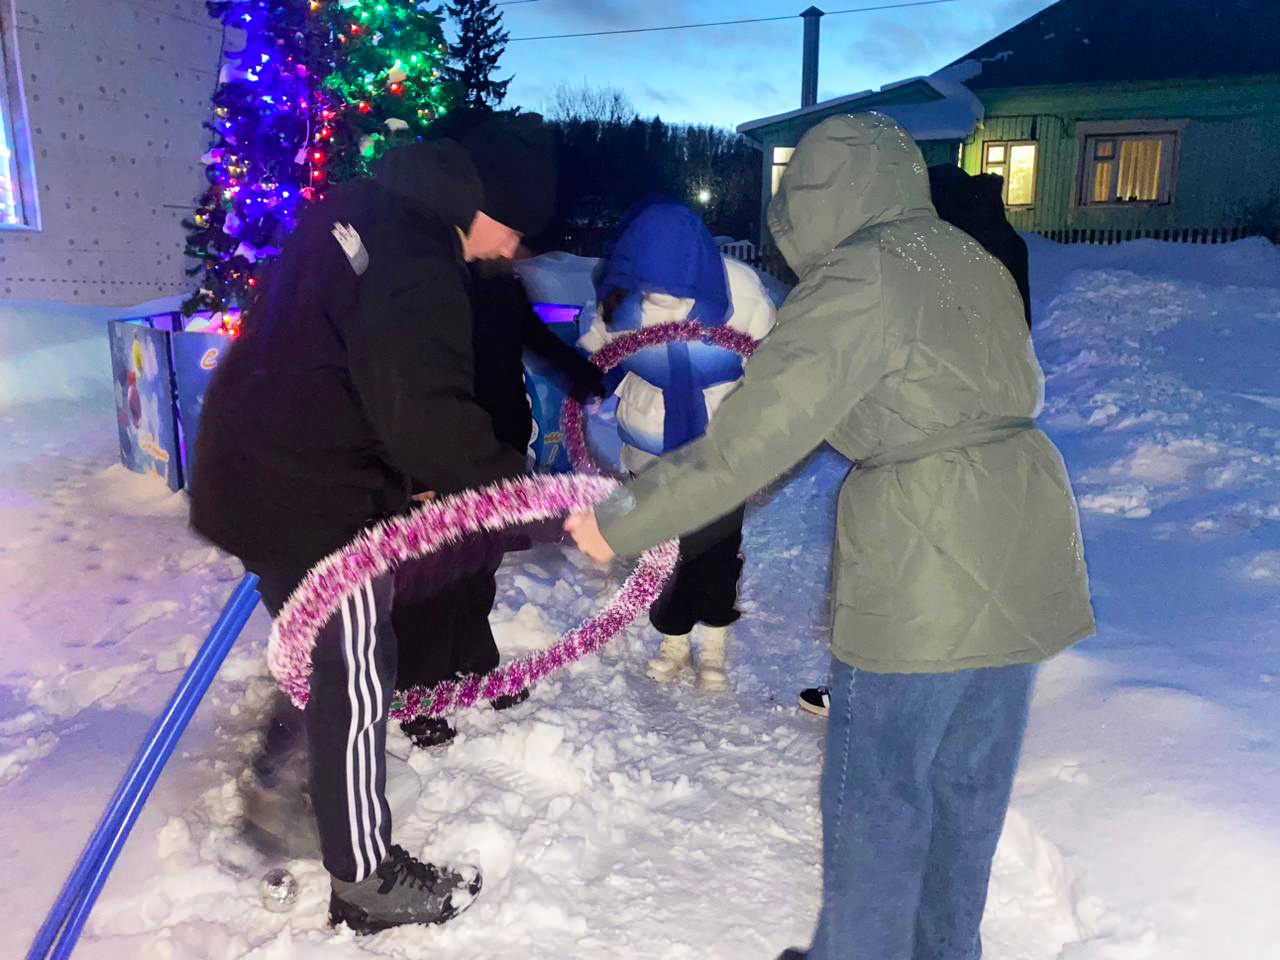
[59, 351]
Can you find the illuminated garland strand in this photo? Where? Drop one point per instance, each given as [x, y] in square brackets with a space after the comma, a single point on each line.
[318, 90]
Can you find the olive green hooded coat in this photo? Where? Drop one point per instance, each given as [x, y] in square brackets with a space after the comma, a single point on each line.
[905, 347]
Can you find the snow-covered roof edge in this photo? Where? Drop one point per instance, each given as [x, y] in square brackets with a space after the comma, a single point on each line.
[954, 117]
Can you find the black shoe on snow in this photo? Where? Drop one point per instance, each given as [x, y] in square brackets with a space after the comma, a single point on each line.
[511, 700]
[426, 732]
[816, 700]
[793, 954]
[402, 890]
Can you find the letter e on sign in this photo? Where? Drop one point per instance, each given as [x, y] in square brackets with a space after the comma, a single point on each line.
[210, 359]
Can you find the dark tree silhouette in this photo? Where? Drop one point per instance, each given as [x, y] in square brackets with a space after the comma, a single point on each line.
[481, 42]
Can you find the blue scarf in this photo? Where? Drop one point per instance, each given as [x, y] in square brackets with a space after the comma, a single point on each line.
[664, 247]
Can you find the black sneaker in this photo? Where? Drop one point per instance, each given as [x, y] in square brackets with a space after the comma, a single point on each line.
[816, 700]
[402, 890]
[511, 700]
[426, 732]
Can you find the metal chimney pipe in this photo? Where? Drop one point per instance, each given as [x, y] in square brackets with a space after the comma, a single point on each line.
[809, 79]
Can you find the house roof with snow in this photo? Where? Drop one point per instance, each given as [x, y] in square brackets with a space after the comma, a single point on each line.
[1070, 42]
[1125, 41]
[937, 107]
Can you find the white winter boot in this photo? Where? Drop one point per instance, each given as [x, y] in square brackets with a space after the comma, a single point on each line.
[711, 659]
[673, 656]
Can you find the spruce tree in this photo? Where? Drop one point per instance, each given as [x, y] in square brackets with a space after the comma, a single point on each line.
[481, 43]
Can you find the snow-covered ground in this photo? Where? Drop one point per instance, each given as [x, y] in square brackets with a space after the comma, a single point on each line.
[617, 819]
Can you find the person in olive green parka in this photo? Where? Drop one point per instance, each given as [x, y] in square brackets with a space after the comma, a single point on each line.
[958, 558]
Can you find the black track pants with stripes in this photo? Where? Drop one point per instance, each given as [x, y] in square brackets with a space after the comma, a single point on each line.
[352, 681]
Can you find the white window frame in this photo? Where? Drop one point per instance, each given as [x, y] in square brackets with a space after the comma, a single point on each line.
[1090, 135]
[1035, 169]
[779, 157]
[15, 123]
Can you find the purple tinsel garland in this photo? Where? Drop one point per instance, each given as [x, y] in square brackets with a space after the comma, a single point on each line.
[430, 528]
[572, 421]
[436, 525]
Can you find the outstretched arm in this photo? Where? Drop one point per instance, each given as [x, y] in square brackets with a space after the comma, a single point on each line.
[828, 351]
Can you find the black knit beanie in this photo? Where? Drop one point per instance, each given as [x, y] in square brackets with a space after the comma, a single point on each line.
[515, 158]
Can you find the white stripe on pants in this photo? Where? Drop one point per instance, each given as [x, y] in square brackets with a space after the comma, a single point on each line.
[364, 694]
[352, 681]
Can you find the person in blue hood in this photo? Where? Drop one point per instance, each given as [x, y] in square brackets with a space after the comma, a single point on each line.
[664, 266]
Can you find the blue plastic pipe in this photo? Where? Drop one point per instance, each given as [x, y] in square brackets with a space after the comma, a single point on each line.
[62, 927]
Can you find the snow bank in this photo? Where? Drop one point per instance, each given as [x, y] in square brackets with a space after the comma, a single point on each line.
[558, 277]
[954, 117]
[58, 351]
[617, 818]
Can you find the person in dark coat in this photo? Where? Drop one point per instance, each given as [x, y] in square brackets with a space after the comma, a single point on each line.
[353, 383]
[507, 326]
[445, 633]
[975, 204]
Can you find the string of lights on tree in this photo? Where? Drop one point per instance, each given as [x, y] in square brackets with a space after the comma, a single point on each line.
[317, 90]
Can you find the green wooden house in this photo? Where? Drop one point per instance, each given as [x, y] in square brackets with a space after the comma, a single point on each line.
[1108, 119]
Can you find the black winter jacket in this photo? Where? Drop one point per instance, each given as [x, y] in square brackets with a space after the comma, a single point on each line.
[975, 204]
[353, 381]
[505, 326]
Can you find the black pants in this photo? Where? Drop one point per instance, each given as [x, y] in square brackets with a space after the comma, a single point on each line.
[446, 634]
[352, 681]
[704, 587]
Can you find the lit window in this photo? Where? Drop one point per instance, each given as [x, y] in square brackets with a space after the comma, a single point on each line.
[17, 195]
[1015, 161]
[781, 157]
[1128, 168]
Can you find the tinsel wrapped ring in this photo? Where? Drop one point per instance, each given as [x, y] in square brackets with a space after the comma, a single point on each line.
[435, 526]
[431, 528]
[573, 421]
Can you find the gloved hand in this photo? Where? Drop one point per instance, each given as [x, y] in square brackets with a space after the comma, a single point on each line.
[588, 382]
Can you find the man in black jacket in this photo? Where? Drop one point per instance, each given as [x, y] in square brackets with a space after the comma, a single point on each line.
[353, 384]
[975, 204]
[445, 633]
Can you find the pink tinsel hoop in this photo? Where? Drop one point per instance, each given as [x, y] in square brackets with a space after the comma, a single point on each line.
[432, 528]
[572, 419]
[435, 526]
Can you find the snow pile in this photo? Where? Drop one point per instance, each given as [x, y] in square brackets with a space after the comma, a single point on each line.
[57, 351]
[558, 277]
[952, 117]
[615, 818]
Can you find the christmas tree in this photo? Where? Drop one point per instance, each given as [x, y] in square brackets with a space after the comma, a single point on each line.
[317, 90]
[256, 169]
[481, 42]
[384, 80]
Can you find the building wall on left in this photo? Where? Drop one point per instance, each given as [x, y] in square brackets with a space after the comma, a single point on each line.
[116, 94]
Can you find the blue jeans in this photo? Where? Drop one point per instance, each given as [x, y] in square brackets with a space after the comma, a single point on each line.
[916, 784]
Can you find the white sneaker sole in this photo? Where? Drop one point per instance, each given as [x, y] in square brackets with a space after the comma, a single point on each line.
[809, 708]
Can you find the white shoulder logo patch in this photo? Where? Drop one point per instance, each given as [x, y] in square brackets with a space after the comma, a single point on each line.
[352, 246]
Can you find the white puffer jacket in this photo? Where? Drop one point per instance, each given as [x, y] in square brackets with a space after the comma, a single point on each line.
[642, 405]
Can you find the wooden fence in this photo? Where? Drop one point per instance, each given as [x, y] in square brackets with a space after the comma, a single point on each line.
[770, 261]
[1169, 235]
[766, 259]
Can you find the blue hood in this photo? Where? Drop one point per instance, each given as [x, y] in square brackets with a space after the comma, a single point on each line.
[664, 247]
